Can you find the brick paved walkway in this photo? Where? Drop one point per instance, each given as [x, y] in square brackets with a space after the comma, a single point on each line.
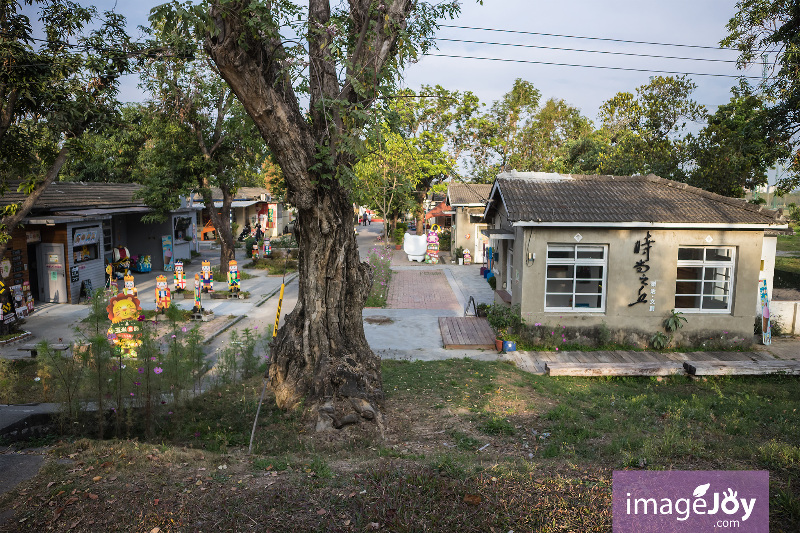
[420, 289]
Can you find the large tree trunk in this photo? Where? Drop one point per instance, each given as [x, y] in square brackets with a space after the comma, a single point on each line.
[222, 223]
[321, 353]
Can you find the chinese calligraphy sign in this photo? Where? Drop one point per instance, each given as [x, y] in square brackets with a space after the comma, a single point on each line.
[647, 289]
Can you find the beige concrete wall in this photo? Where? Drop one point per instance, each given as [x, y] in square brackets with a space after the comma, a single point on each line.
[768, 250]
[462, 226]
[622, 281]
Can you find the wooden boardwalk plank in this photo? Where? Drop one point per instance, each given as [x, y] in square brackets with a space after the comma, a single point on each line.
[741, 368]
[466, 333]
[606, 357]
[615, 369]
[624, 357]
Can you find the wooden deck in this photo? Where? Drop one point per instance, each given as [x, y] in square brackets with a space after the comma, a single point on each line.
[466, 332]
[629, 363]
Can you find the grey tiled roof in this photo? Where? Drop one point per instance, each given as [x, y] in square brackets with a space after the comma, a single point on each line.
[468, 193]
[69, 195]
[577, 198]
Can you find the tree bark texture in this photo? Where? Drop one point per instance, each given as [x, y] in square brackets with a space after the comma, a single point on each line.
[321, 355]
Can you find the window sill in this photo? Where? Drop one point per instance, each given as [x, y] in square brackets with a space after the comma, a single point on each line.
[504, 295]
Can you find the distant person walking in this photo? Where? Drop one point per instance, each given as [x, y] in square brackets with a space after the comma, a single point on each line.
[369, 218]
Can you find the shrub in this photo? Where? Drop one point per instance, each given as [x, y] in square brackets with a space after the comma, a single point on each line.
[399, 232]
[379, 259]
[248, 246]
[445, 240]
[492, 282]
[504, 319]
[674, 321]
[659, 340]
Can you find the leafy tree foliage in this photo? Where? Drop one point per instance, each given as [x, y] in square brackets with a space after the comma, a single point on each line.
[52, 91]
[737, 146]
[386, 178]
[647, 131]
[770, 29]
[219, 145]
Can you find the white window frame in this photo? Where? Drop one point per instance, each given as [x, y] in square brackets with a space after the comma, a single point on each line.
[703, 264]
[576, 262]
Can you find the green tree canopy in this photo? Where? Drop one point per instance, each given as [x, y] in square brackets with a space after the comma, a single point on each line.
[737, 147]
[769, 30]
[52, 91]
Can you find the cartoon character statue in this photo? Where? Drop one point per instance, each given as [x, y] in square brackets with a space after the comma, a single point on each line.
[179, 276]
[255, 251]
[233, 277]
[197, 292]
[206, 277]
[163, 295]
[129, 287]
[467, 257]
[109, 275]
[267, 247]
[125, 331]
[432, 254]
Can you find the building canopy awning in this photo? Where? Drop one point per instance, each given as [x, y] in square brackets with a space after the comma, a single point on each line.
[499, 234]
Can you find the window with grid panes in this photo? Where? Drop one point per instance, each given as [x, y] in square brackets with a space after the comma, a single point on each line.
[576, 277]
[704, 280]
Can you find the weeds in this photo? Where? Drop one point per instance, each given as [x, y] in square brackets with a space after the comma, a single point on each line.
[379, 259]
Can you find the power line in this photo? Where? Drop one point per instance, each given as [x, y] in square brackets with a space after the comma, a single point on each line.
[586, 37]
[586, 51]
[594, 66]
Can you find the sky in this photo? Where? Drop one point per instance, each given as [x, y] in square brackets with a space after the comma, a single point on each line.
[688, 22]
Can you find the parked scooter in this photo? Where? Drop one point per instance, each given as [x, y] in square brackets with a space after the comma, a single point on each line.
[246, 232]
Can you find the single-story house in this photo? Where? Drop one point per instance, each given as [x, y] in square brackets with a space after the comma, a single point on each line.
[60, 251]
[468, 202]
[627, 250]
[250, 205]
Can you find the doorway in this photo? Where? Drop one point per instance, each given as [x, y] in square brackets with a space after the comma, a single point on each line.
[53, 279]
[33, 270]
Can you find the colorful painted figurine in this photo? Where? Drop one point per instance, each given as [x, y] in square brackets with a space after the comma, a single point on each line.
[432, 254]
[197, 292]
[267, 247]
[255, 251]
[179, 277]
[129, 287]
[163, 295]
[206, 277]
[233, 277]
[467, 257]
[109, 275]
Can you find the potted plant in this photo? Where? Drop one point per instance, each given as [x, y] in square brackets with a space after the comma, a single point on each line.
[399, 234]
[460, 255]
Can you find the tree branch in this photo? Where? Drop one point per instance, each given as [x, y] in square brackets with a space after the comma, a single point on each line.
[369, 57]
[9, 222]
[252, 67]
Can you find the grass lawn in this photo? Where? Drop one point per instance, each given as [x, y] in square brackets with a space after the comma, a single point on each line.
[790, 243]
[552, 446]
[789, 264]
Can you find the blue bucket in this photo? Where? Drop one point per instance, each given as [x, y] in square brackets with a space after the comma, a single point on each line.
[509, 346]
